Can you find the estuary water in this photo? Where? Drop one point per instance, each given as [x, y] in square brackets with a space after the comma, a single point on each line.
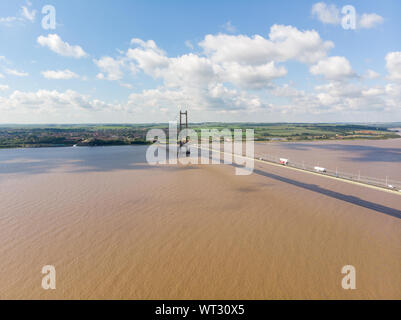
[116, 228]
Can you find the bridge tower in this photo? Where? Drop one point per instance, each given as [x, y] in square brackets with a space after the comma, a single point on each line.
[182, 114]
[182, 124]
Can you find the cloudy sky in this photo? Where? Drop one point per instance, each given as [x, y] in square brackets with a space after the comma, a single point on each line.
[128, 61]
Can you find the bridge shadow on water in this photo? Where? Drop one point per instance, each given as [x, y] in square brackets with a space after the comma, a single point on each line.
[333, 194]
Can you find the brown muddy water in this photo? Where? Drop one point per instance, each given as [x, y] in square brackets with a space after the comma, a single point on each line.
[115, 228]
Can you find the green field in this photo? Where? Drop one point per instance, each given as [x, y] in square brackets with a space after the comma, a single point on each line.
[295, 132]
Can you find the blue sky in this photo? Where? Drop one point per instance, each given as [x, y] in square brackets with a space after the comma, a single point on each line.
[140, 61]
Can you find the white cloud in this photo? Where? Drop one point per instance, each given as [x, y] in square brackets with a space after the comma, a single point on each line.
[328, 14]
[370, 74]
[368, 21]
[214, 98]
[284, 43]
[376, 91]
[110, 66]
[150, 44]
[219, 77]
[234, 100]
[57, 45]
[158, 98]
[394, 91]
[192, 70]
[16, 73]
[4, 87]
[333, 68]
[148, 56]
[51, 101]
[251, 77]
[60, 74]
[393, 64]
[235, 74]
[187, 70]
[337, 98]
